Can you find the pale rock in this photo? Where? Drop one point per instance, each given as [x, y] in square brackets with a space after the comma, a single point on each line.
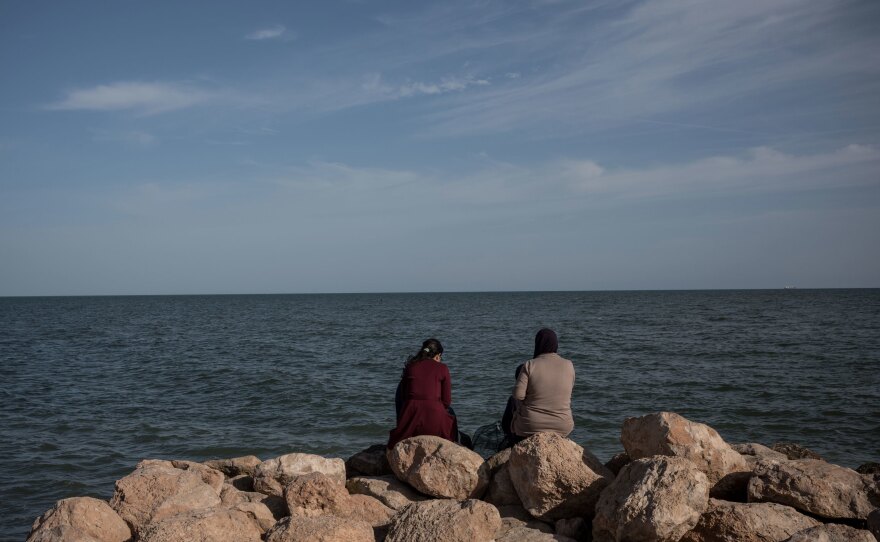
[320, 529]
[439, 468]
[370, 510]
[214, 525]
[832, 533]
[157, 490]
[667, 433]
[236, 466]
[387, 489]
[371, 461]
[230, 497]
[756, 522]
[446, 520]
[757, 451]
[80, 518]
[314, 494]
[555, 478]
[656, 499]
[210, 476]
[271, 476]
[813, 486]
[500, 491]
[516, 518]
[258, 513]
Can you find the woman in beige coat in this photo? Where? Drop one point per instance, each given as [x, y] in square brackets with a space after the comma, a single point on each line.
[543, 391]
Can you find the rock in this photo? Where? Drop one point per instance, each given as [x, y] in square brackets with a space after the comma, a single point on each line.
[525, 534]
[315, 494]
[758, 451]
[369, 462]
[272, 475]
[157, 490]
[667, 433]
[500, 491]
[80, 518]
[555, 478]
[795, 451]
[514, 516]
[320, 529]
[868, 468]
[387, 489]
[732, 487]
[618, 462]
[832, 533]
[370, 510]
[243, 482]
[812, 486]
[230, 497]
[577, 529]
[874, 523]
[446, 520]
[212, 477]
[756, 522]
[216, 525]
[236, 466]
[439, 468]
[258, 513]
[656, 499]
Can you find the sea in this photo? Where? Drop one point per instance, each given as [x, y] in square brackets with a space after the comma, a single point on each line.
[92, 385]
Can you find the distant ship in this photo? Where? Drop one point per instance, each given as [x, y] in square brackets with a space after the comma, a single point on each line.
[790, 288]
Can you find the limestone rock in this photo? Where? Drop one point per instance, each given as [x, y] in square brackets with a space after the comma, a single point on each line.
[271, 476]
[667, 433]
[216, 525]
[813, 486]
[446, 520]
[370, 510]
[618, 462]
[320, 529]
[656, 499]
[157, 490]
[500, 491]
[258, 513]
[439, 468]
[231, 497]
[371, 461]
[387, 489]
[314, 494]
[80, 518]
[236, 466]
[832, 533]
[756, 522]
[210, 476]
[758, 451]
[795, 451]
[555, 478]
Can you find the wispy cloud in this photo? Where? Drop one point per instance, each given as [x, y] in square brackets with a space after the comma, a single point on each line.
[137, 138]
[276, 32]
[375, 85]
[139, 97]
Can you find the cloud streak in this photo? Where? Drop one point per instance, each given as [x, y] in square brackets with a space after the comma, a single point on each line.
[138, 97]
[272, 33]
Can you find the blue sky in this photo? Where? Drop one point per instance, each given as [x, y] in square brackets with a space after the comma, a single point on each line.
[260, 147]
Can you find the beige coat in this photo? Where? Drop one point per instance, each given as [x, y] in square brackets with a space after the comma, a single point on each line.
[543, 394]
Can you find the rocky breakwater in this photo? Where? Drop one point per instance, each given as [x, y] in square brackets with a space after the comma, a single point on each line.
[676, 480]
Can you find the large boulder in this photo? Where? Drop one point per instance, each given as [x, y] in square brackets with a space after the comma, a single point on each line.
[439, 468]
[667, 433]
[656, 499]
[500, 491]
[157, 490]
[80, 518]
[210, 476]
[252, 504]
[271, 476]
[832, 533]
[446, 520]
[236, 466]
[387, 489]
[371, 461]
[739, 522]
[517, 525]
[314, 494]
[555, 478]
[216, 525]
[231, 497]
[320, 529]
[815, 487]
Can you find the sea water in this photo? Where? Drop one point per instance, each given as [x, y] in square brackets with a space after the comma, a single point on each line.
[92, 385]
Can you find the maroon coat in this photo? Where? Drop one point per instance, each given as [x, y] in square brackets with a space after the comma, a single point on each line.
[427, 393]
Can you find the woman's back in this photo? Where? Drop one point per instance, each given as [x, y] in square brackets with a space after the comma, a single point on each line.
[544, 390]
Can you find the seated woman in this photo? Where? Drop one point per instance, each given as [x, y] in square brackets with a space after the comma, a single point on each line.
[425, 394]
[541, 400]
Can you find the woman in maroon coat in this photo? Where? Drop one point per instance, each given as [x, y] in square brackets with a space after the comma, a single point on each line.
[425, 394]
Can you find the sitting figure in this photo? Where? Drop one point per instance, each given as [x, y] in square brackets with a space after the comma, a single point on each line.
[424, 397]
[541, 399]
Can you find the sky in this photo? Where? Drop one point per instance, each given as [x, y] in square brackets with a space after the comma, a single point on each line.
[356, 146]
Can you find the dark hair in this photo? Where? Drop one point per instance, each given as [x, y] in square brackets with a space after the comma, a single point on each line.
[430, 348]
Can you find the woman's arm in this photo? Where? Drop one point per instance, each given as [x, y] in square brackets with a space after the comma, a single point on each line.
[522, 383]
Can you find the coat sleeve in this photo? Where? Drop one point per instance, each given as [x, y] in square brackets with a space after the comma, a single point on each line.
[446, 387]
[522, 383]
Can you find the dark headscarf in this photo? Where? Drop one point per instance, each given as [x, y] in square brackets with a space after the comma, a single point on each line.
[546, 342]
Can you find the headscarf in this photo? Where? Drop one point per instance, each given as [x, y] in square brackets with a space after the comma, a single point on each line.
[545, 342]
